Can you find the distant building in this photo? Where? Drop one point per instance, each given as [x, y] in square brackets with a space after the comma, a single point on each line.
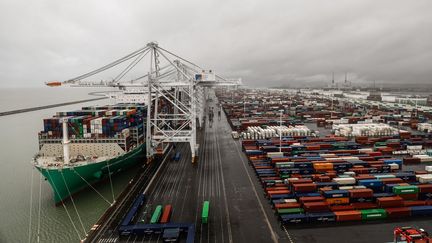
[375, 96]
[412, 101]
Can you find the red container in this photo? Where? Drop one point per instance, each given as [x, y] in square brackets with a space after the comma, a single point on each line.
[398, 212]
[390, 202]
[312, 207]
[335, 208]
[364, 205]
[414, 203]
[361, 171]
[278, 192]
[303, 200]
[409, 197]
[425, 188]
[364, 177]
[166, 215]
[307, 187]
[392, 180]
[374, 153]
[300, 181]
[411, 160]
[276, 188]
[324, 179]
[352, 215]
[359, 193]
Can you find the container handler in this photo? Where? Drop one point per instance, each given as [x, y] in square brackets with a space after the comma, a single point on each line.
[411, 235]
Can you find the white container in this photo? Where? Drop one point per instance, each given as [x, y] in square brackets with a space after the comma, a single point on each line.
[275, 154]
[359, 187]
[425, 178]
[345, 181]
[394, 166]
[351, 173]
[428, 168]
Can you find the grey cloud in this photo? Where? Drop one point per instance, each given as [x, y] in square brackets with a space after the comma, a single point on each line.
[264, 42]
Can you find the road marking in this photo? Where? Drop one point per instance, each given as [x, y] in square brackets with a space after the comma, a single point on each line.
[273, 234]
[286, 232]
[155, 174]
[224, 191]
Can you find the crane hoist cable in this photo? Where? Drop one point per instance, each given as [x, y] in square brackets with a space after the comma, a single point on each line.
[130, 66]
[110, 65]
[179, 57]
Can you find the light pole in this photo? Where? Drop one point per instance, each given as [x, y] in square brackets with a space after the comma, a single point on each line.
[244, 107]
[280, 133]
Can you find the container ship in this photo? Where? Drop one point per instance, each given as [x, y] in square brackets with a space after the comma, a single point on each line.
[79, 148]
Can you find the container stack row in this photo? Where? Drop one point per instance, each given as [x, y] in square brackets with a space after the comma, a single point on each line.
[343, 183]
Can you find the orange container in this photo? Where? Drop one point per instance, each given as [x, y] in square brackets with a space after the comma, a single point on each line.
[352, 215]
[337, 201]
[287, 205]
[323, 166]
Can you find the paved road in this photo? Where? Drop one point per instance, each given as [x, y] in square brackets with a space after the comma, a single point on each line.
[238, 211]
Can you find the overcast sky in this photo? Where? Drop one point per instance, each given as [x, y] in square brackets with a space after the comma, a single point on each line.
[262, 41]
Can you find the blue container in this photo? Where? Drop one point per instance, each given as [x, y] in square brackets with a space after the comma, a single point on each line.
[254, 152]
[267, 175]
[370, 183]
[362, 199]
[270, 149]
[306, 171]
[406, 176]
[294, 218]
[383, 194]
[307, 194]
[321, 217]
[277, 201]
[335, 193]
[264, 142]
[425, 196]
[372, 170]
[421, 210]
[393, 161]
[358, 162]
[345, 165]
[282, 196]
[389, 187]
[325, 184]
[289, 171]
[303, 165]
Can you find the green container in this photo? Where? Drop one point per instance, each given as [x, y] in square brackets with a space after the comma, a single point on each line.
[371, 214]
[156, 215]
[285, 176]
[380, 144]
[205, 212]
[384, 176]
[405, 190]
[290, 210]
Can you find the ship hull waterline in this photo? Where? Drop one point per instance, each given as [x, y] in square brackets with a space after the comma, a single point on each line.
[69, 180]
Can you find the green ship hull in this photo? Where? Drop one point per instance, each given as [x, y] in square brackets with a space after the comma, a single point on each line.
[69, 180]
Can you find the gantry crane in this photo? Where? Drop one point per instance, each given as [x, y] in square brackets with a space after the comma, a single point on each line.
[174, 89]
